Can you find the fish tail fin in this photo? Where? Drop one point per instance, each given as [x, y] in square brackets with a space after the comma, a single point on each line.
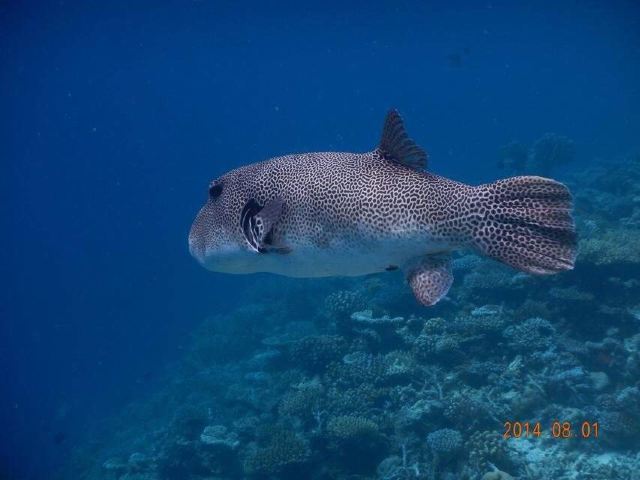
[525, 222]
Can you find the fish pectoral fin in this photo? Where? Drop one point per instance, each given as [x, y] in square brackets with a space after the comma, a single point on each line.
[397, 146]
[258, 224]
[269, 215]
[430, 278]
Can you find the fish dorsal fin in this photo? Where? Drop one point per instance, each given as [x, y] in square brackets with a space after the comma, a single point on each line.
[395, 144]
[257, 225]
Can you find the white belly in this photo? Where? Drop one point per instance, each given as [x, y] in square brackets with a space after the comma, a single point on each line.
[344, 260]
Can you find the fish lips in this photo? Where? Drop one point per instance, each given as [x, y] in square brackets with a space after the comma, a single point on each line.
[215, 250]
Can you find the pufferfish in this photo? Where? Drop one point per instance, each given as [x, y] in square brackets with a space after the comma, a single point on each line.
[327, 214]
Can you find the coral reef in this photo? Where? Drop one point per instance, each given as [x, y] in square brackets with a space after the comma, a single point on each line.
[548, 152]
[283, 455]
[350, 379]
[445, 442]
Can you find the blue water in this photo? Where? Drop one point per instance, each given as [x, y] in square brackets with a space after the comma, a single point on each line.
[116, 115]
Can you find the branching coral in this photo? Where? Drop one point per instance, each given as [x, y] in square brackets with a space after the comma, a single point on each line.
[488, 447]
[613, 246]
[316, 352]
[348, 428]
[284, 452]
[342, 303]
[532, 334]
[445, 442]
[356, 441]
[303, 401]
[354, 401]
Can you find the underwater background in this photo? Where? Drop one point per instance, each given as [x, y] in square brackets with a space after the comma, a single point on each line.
[121, 358]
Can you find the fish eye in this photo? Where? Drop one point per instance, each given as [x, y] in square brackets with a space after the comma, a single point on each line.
[215, 189]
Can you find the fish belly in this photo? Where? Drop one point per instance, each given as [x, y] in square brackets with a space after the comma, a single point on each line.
[349, 259]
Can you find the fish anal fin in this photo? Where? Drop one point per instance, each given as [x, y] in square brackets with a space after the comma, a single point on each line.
[397, 146]
[430, 279]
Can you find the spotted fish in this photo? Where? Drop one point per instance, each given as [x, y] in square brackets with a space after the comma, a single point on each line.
[347, 214]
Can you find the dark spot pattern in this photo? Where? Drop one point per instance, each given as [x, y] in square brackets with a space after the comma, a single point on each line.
[523, 221]
[329, 195]
[430, 279]
[526, 222]
[368, 205]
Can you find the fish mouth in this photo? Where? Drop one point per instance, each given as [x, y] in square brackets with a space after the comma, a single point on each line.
[196, 249]
[197, 241]
[226, 261]
[224, 257]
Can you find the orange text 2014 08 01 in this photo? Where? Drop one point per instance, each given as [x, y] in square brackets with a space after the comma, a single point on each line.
[556, 429]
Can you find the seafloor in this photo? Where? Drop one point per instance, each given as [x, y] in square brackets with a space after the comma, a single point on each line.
[351, 379]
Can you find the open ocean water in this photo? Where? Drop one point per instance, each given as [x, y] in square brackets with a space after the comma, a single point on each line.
[121, 358]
